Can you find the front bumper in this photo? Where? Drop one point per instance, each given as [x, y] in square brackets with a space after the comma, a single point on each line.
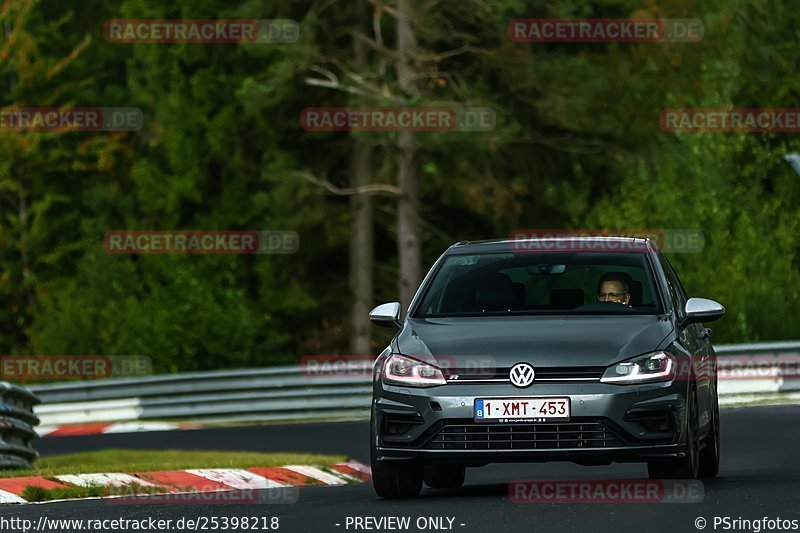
[609, 423]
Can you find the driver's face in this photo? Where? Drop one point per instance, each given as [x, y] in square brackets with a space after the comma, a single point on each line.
[612, 291]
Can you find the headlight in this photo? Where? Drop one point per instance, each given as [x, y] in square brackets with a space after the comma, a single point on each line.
[658, 366]
[402, 370]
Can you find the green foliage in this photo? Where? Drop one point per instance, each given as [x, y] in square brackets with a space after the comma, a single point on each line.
[577, 143]
[35, 493]
[132, 460]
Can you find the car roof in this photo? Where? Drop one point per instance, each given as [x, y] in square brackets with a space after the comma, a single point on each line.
[632, 244]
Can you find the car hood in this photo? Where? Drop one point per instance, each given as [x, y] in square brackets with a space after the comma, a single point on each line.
[542, 341]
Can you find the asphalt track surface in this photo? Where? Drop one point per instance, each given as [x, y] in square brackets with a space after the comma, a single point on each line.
[759, 477]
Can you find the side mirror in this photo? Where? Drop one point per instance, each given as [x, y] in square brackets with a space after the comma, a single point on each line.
[386, 315]
[702, 310]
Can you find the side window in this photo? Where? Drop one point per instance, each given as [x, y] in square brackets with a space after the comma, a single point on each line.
[678, 285]
[675, 289]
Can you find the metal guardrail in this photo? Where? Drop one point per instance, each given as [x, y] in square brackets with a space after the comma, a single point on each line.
[776, 365]
[278, 393]
[759, 348]
[267, 394]
[17, 423]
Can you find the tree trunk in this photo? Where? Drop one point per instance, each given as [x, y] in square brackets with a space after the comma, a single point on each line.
[408, 239]
[22, 211]
[409, 246]
[362, 248]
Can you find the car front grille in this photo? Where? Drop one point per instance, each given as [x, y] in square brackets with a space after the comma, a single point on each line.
[542, 374]
[469, 435]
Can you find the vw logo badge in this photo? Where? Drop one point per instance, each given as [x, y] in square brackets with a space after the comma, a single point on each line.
[521, 375]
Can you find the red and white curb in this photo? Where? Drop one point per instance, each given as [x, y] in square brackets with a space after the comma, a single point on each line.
[196, 481]
[118, 427]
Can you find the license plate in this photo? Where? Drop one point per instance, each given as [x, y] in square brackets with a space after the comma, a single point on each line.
[522, 409]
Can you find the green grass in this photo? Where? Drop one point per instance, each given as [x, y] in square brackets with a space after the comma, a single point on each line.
[34, 493]
[145, 460]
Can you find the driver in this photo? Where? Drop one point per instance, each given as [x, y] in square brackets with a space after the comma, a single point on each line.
[615, 287]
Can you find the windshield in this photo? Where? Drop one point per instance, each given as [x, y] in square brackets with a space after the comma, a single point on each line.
[532, 284]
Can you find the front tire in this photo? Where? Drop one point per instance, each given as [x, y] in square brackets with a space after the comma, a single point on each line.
[394, 480]
[709, 456]
[687, 467]
[444, 476]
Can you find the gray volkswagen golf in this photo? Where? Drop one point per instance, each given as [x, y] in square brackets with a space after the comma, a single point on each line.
[573, 349]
